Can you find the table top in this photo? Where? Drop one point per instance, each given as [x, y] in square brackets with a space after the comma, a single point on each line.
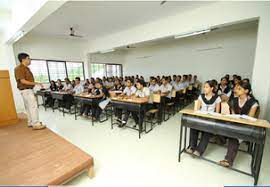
[130, 100]
[257, 123]
[85, 95]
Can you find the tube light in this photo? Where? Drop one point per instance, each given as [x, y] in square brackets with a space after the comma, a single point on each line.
[192, 33]
[107, 51]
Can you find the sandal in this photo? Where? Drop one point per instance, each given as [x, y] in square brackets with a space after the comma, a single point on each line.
[190, 150]
[225, 163]
[196, 154]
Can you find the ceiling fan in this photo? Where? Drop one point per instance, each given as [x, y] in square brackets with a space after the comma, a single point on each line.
[72, 33]
[129, 47]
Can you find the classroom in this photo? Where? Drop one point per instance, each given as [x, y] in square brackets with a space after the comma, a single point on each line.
[134, 93]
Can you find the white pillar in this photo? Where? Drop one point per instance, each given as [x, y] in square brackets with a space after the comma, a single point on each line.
[261, 69]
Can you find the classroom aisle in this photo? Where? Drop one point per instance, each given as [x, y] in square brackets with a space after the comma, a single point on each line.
[122, 159]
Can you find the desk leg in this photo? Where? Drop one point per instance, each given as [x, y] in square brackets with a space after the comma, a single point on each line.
[43, 100]
[112, 117]
[258, 162]
[75, 110]
[140, 128]
[91, 172]
[180, 143]
[185, 138]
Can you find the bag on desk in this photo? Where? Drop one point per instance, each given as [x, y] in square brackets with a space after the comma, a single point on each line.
[104, 103]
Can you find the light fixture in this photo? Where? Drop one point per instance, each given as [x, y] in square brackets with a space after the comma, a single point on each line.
[192, 33]
[107, 51]
[18, 36]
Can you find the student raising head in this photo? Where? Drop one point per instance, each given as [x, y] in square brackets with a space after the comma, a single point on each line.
[207, 102]
[244, 104]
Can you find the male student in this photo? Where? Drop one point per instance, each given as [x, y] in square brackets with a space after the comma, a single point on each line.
[25, 83]
[128, 92]
[166, 93]
[144, 93]
[78, 88]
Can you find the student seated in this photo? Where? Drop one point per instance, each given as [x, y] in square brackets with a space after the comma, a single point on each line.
[85, 107]
[223, 88]
[60, 86]
[117, 86]
[128, 92]
[68, 86]
[141, 92]
[49, 99]
[78, 88]
[101, 94]
[207, 102]
[166, 92]
[154, 87]
[244, 104]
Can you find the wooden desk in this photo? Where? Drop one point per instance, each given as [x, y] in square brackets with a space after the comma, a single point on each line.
[253, 132]
[8, 114]
[257, 123]
[130, 104]
[42, 157]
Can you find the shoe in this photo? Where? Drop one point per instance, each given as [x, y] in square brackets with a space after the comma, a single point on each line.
[134, 126]
[29, 126]
[123, 123]
[39, 127]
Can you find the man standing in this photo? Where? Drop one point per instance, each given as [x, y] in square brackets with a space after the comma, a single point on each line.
[26, 83]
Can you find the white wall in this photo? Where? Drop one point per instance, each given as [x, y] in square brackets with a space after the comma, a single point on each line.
[8, 63]
[52, 48]
[235, 54]
[219, 13]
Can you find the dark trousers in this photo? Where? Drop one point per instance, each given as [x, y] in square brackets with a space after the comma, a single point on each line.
[85, 109]
[96, 110]
[233, 145]
[201, 147]
[118, 113]
[163, 102]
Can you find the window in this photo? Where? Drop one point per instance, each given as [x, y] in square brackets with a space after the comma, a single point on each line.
[108, 70]
[39, 70]
[46, 70]
[75, 69]
[57, 70]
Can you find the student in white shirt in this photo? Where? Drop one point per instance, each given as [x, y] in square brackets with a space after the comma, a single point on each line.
[129, 91]
[166, 88]
[154, 87]
[78, 86]
[142, 92]
[178, 85]
[207, 102]
[68, 86]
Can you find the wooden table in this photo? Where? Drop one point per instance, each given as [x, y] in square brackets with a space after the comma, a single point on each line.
[83, 98]
[247, 130]
[39, 157]
[130, 104]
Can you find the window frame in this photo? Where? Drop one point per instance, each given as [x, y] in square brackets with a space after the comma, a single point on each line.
[106, 74]
[65, 62]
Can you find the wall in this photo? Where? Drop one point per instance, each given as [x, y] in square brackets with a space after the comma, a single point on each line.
[194, 55]
[216, 14]
[52, 48]
[8, 63]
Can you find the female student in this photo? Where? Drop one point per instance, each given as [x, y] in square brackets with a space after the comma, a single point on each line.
[223, 88]
[68, 86]
[244, 104]
[207, 102]
[49, 99]
[86, 108]
[60, 86]
[101, 94]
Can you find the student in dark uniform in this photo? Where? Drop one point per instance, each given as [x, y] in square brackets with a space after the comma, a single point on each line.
[101, 94]
[60, 86]
[49, 99]
[86, 108]
[244, 104]
[209, 101]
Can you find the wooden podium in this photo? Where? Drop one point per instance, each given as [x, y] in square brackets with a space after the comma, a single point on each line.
[8, 114]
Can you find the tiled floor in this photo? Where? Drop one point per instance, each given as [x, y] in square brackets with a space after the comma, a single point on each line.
[122, 159]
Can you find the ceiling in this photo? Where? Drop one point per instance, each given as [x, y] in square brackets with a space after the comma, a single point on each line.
[94, 19]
